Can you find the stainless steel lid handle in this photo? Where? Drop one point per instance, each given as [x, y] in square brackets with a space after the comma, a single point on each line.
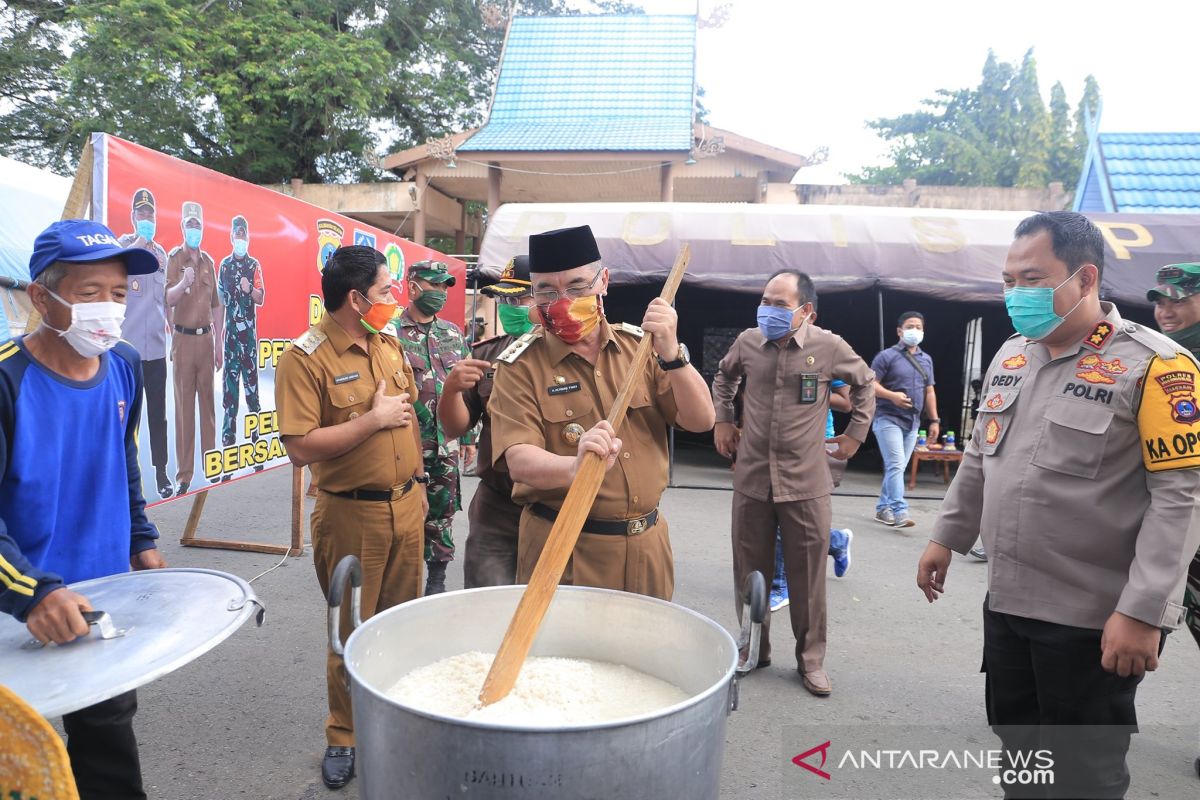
[347, 569]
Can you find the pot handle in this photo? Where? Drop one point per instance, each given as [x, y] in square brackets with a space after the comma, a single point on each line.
[347, 569]
[754, 595]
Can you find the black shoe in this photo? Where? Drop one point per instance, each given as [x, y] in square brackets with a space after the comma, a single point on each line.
[165, 489]
[435, 583]
[337, 768]
[183, 488]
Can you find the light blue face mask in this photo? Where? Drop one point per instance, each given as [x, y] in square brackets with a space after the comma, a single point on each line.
[145, 229]
[1031, 309]
[240, 247]
[775, 322]
[192, 237]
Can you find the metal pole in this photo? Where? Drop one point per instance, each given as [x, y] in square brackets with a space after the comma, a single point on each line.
[879, 297]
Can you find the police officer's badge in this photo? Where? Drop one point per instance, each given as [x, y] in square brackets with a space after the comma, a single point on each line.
[571, 433]
[1180, 387]
[329, 238]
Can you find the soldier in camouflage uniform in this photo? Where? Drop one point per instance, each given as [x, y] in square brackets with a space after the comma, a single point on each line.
[1176, 301]
[240, 283]
[433, 346]
[146, 329]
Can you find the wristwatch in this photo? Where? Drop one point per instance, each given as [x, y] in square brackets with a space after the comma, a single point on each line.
[681, 360]
[421, 479]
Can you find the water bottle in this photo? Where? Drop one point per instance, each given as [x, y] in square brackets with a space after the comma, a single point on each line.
[950, 440]
[921, 439]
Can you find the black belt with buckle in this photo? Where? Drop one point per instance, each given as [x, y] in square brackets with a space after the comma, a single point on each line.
[193, 331]
[377, 495]
[604, 527]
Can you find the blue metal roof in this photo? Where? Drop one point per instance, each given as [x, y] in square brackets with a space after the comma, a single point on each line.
[593, 83]
[1142, 173]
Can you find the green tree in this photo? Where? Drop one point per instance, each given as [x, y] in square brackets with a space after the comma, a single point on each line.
[265, 90]
[1088, 109]
[998, 133]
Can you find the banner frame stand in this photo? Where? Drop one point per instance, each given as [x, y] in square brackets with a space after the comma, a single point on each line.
[297, 526]
[78, 201]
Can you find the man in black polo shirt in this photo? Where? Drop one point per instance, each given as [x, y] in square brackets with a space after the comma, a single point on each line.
[903, 388]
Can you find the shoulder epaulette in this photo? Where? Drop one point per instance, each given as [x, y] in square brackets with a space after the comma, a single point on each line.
[488, 340]
[514, 350]
[1160, 344]
[631, 329]
[174, 250]
[310, 340]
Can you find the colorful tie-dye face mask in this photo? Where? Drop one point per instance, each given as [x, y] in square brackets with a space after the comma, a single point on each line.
[571, 319]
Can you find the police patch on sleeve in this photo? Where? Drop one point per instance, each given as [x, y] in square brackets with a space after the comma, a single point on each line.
[1169, 417]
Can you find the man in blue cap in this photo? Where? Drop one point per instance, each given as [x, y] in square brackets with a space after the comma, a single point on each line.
[75, 370]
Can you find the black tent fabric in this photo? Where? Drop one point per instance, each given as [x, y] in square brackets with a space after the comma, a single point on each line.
[943, 254]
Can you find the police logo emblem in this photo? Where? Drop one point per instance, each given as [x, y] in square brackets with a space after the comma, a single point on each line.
[135, 285]
[810, 361]
[1016, 362]
[995, 402]
[991, 433]
[572, 432]
[1180, 388]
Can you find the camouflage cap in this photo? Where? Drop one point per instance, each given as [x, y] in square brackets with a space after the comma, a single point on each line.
[432, 271]
[143, 197]
[239, 224]
[1176, 282]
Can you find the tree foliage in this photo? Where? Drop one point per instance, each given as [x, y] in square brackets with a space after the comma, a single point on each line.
[999, 133]
[265, 90]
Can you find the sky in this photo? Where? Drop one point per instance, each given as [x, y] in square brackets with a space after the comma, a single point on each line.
[800, 75]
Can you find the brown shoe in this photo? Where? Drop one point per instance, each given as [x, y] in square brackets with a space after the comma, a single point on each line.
[817, 682]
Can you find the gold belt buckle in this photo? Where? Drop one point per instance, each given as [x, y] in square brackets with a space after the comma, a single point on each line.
[636, 526]
[399, 491]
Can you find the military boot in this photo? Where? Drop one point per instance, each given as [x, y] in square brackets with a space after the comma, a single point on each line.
[435, 581]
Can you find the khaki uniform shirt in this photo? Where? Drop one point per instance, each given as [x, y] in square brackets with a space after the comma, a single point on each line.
[476, 399]
[325, 379]
[549, 388]
[1081, 478]
[781, 455]
[194, 309]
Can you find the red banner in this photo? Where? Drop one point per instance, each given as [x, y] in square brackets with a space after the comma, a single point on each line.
[246, 285]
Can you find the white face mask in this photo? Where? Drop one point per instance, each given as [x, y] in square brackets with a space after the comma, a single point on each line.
[912, 336]
[95, 327]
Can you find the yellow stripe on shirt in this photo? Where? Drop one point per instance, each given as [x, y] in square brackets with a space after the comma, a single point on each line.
[6, 567]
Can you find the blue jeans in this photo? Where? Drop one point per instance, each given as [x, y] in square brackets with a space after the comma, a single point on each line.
[896, 446]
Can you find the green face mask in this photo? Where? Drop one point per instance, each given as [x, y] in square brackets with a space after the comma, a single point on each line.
[1188, 337]
[515, 320]
[430, 301]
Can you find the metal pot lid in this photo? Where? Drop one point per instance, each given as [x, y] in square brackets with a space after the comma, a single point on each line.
[146, 625]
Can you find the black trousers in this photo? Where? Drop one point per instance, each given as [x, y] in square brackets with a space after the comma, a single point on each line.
[1046, 691]
[103, 750]
[154, 377]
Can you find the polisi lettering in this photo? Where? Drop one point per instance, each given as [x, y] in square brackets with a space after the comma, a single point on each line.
[1087, 392]
[1006, 380]
[91, 240]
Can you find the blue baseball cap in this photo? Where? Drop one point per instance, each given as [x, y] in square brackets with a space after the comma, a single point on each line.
[81, 241]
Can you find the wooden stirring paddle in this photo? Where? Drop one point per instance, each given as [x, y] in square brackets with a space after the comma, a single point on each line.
[518, 639]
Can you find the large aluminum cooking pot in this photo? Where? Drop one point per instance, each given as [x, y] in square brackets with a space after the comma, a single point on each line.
[408, 754]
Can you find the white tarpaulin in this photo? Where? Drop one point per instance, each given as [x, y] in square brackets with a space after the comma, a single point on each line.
[30, 199]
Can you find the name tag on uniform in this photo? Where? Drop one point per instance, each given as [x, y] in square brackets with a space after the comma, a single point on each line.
[564, 388]
[347, 378]
[808, 387]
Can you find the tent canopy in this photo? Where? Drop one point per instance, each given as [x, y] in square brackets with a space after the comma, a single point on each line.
[30, 199]
[949, 255]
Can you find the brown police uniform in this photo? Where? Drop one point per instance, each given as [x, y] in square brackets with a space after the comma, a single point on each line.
[192, 357]
[547, 396]
[781, 480]
[491, 549]
[325, 379]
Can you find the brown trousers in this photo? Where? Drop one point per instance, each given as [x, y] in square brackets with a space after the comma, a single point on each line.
[642, 564]
[491, 549]
[804, 529]
[388, 538]
[192, 361]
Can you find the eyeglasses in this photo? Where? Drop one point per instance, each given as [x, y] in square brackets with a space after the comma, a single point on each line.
[573, 292]
[512, 300]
